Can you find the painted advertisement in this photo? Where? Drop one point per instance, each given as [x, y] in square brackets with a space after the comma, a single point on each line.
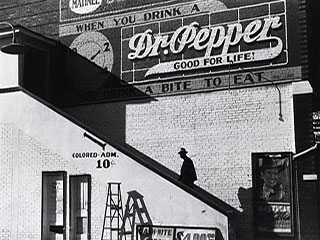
[145, 232]
[316, 126]
[186, 46]
[203, 42]
[272, 178]
[77, 9]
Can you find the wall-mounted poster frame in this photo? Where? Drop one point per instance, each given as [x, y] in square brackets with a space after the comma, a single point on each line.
[273, 195]
[156, 232]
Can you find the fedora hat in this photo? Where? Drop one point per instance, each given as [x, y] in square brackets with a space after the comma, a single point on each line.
[269, 163]
[182, 150]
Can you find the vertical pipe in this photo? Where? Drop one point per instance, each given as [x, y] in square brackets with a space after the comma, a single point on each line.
[296, 198]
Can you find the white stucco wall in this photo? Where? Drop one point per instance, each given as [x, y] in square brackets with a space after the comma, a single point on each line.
[8, 70]
[42, 140]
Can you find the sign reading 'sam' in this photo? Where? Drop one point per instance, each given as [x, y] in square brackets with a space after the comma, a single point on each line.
[206, 42]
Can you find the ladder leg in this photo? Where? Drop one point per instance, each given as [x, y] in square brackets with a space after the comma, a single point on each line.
[131, 212]
[113, 213]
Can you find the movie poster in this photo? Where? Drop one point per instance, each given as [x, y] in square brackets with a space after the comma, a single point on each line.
[272, 181]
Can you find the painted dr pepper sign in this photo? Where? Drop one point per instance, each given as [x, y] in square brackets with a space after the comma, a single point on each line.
[205, 43]
[144, 45]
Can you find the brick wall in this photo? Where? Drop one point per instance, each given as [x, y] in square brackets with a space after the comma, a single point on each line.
[38, 15]
[307, 191]
[6, 152]
[219, 129]
[35, 158]
[43, 141]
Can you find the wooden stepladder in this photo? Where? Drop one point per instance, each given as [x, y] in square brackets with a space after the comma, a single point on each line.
[135, 213]
[113, 215]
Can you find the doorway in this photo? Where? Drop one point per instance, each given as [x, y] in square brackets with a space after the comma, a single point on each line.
[53, 205]
[80, 198]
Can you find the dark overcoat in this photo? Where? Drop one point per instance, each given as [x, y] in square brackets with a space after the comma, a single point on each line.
[188, 173]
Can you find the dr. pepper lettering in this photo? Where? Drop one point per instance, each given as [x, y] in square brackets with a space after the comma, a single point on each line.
[148, 44]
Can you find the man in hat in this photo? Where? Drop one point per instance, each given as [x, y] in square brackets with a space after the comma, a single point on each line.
[187, 172]
[272, 189]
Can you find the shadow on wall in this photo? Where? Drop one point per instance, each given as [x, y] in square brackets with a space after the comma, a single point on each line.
[244, 223]
[96, 98]
[90, 93]
[245, 219]
[108, 120]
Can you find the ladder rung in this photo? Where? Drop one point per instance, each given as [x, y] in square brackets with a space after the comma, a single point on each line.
[113, 229]
[141, 209]
[115, 207]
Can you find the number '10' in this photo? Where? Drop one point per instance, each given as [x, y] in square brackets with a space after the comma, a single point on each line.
[103, 163]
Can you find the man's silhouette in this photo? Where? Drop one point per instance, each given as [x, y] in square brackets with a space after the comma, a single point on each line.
[187, 173]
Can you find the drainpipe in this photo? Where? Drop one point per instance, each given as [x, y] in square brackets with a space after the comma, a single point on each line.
[295, 164]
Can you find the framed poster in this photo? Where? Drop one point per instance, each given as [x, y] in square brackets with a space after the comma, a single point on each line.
[273, 193]
[155, 232]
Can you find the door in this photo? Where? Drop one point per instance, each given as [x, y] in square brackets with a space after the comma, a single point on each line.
[53, 206]
[80, 194]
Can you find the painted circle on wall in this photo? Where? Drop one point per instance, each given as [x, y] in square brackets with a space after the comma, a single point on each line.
[83, 7]
[96, 47]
